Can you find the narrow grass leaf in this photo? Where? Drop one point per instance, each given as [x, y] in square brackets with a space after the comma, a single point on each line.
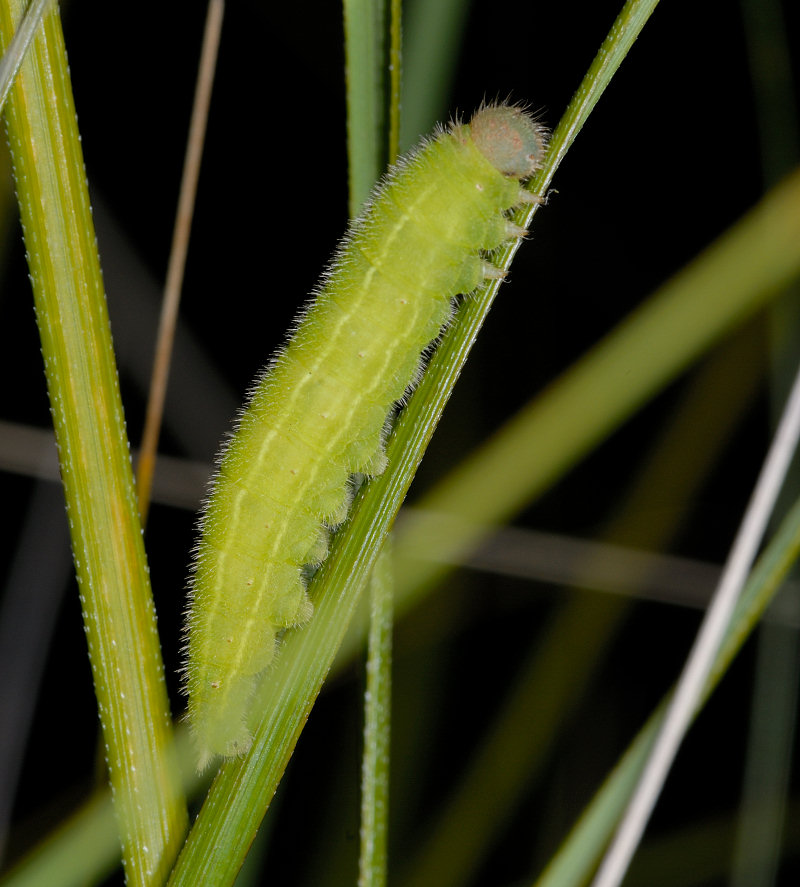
[95, 462]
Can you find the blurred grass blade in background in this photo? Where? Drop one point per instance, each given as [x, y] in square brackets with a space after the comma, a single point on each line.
[365, 30]
[433, 35]
[772, 727]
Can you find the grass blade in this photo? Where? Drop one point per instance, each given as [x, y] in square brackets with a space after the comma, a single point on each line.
[377, 727]
[95, 463]
[365, 68]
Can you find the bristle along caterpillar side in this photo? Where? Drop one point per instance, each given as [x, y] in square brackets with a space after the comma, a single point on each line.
[317, 414]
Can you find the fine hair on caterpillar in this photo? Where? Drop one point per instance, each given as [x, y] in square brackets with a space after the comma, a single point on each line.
[317, 414]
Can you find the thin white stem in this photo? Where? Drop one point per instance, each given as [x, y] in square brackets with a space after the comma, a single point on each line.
[695, 674]
[13, 56]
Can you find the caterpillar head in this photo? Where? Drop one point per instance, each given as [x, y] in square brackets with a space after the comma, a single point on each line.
[509, 139]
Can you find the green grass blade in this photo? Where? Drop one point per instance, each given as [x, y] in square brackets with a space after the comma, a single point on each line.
[433, 40]
[395, 76]
[61, 859]
[365, 68]
[95, 462]
[377, 729]
[373, 67]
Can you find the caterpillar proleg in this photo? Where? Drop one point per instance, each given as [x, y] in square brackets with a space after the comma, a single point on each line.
[318, 412]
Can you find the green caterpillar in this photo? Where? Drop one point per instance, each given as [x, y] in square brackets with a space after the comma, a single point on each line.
[317, 414]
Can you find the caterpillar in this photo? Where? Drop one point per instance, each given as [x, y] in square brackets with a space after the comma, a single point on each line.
[318, 413]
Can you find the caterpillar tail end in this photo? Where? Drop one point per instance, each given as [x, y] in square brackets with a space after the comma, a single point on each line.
[217, 720]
